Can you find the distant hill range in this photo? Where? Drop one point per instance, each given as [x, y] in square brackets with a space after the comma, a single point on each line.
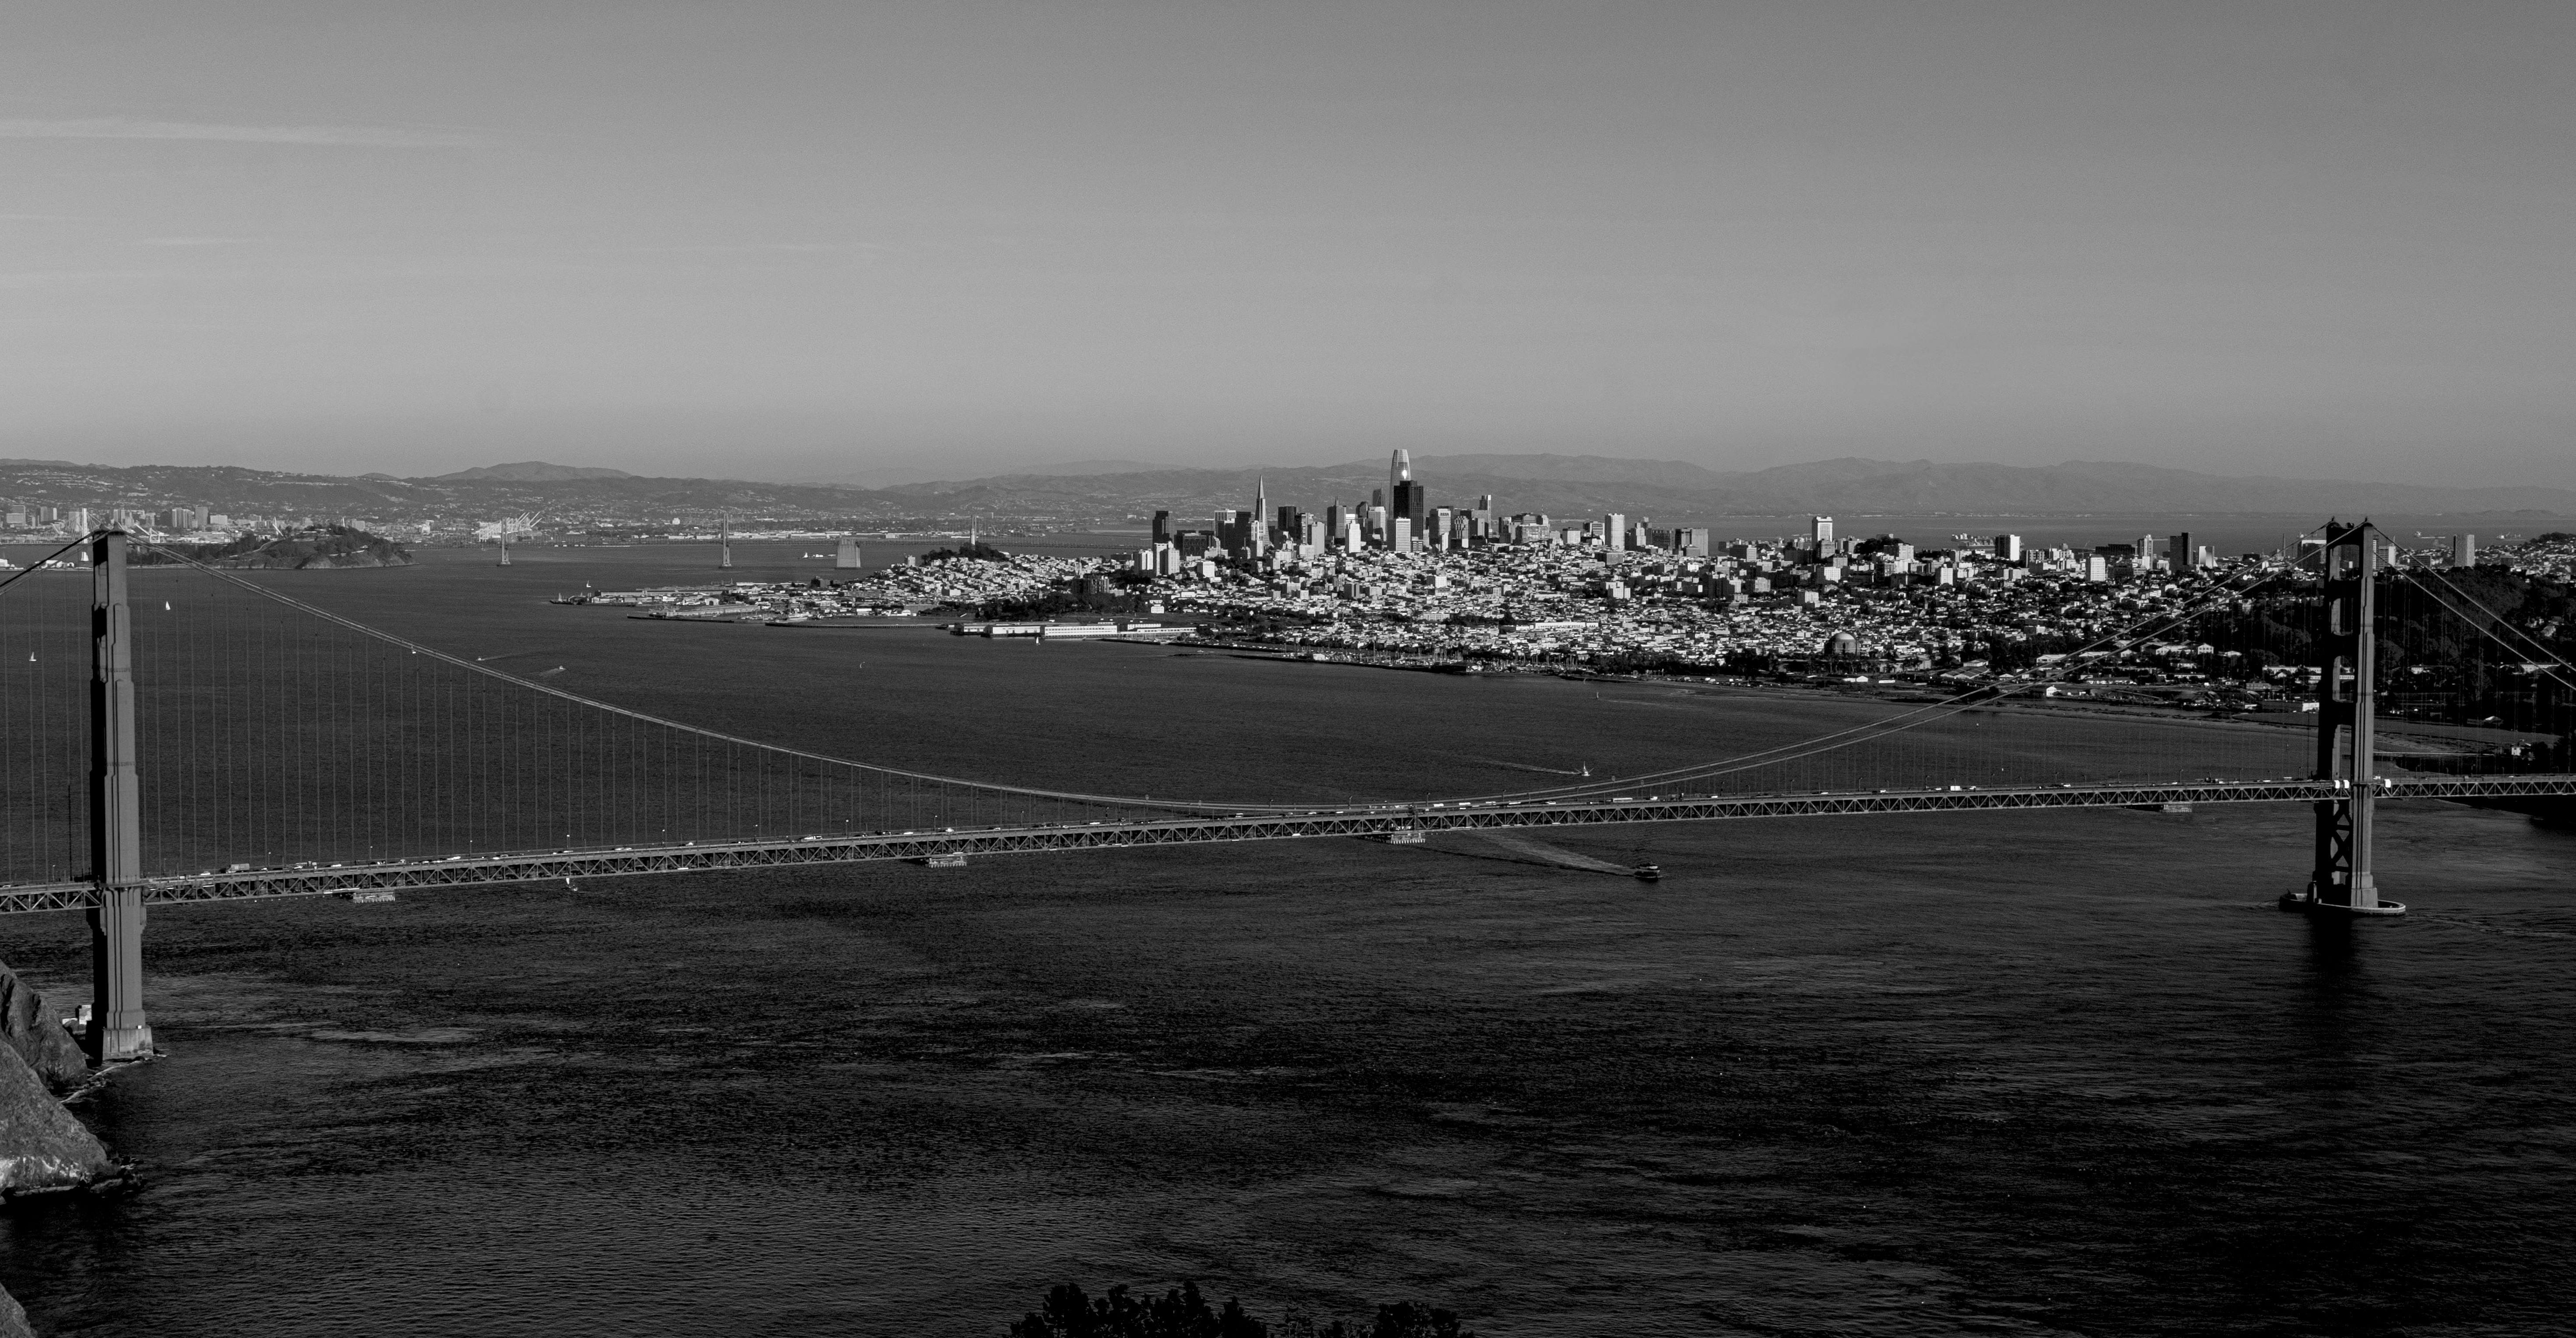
[530, 486]
[1109, 491]
[525, 471]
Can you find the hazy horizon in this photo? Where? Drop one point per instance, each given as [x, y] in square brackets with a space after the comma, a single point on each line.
[1561, 469]
[812, 242]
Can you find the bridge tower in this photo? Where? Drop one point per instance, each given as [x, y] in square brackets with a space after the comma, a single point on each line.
[2347, 664]
[118, 1028]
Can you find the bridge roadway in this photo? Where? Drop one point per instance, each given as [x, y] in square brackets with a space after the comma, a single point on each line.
[1375, 821]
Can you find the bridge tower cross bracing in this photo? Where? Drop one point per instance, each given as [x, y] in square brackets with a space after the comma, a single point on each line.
[118, 1028]
[2347, 667]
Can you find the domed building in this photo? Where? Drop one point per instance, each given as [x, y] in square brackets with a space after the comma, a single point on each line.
[1841, 646]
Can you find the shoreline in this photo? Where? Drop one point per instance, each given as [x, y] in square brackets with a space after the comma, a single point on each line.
[2461, 743]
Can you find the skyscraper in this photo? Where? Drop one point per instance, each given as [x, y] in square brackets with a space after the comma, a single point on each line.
[2178, 551]
[1163, 528]
[1405, 499]
[2464, 550]
[1410, 503]
[2008, 547]
[1258, 538]
[1824, 533]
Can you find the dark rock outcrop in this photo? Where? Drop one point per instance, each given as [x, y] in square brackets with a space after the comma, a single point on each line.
[41, 1145]
[34, 1028]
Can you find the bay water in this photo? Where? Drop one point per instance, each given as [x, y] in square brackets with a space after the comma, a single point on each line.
[2021, 1073]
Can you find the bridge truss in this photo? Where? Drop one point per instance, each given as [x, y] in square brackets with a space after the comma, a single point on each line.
[465, 871]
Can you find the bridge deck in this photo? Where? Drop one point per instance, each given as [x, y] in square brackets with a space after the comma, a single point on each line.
[1381, 820]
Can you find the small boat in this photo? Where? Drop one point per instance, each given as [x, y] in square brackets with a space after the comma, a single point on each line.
[946, 859]
[1649, 873]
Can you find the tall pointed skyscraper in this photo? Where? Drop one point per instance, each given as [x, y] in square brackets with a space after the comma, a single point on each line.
[1405, 499]
[1260, 536]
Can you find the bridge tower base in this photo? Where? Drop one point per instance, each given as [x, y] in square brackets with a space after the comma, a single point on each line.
[2348, 665]
[118, 1028]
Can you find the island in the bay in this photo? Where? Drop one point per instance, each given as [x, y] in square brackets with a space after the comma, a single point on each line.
[310, 547]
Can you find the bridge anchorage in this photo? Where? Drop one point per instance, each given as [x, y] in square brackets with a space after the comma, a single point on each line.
[245, 755]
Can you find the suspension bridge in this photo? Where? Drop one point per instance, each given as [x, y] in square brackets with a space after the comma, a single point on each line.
[178, 733]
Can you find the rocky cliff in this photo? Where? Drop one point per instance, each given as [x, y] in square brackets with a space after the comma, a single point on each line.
[34, 1028]
[42, 1147]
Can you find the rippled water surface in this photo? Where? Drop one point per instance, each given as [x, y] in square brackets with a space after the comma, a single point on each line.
[2002, 1073]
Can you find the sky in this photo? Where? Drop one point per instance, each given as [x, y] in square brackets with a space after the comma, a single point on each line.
[880, 241]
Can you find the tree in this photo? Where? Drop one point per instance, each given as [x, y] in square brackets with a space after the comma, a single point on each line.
[976, 552]
[1178, 1313]
[1184, 1313]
